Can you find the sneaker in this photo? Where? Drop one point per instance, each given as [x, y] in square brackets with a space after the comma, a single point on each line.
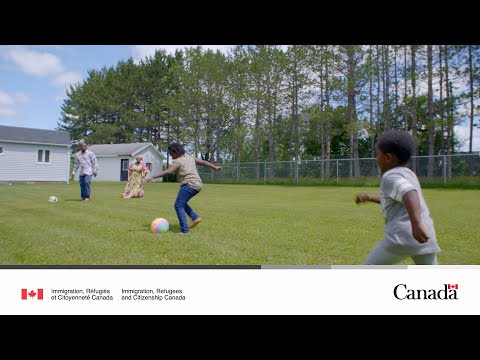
[87, 199]
[195, 223]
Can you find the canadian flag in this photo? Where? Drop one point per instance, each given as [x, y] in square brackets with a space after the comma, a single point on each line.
[26, 294]
[453, 286]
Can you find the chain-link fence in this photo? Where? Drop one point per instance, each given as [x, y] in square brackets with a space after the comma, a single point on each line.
[439, 169]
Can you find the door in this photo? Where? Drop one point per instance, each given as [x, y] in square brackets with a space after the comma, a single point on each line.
[124, 170]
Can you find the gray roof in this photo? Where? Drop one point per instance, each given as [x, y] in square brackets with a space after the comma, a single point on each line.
[120, 149]
[36, 136]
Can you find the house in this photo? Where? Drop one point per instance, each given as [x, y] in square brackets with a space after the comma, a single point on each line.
[113, 160]
[34, 155]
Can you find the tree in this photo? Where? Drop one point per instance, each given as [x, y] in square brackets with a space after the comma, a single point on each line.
[298, 81]
[353, 68]
[430, 119]
[239, 93]
[414, 105]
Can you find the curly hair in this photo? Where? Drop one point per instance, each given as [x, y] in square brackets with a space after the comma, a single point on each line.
[397, 142]
[176, 148]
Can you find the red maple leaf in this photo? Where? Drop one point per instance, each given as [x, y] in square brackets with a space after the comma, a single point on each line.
[32, 293]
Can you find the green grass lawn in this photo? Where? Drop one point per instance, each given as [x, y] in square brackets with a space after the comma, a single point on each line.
[242, 225]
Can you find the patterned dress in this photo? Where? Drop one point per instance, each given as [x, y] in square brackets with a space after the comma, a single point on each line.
[134, 188]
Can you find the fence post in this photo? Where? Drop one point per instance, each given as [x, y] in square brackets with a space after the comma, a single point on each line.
[265, 173]
[337, 172]
[212, 175]
[444, 169]
[296, 171]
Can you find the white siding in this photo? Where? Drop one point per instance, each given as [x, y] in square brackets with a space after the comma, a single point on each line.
[150, 156]
[109, 166]
[18, 162]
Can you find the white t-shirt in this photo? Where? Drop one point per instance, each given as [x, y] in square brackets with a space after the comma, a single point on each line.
[395, 184]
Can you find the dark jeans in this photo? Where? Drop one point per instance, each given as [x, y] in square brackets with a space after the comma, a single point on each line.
[85, 181]
[181, 207]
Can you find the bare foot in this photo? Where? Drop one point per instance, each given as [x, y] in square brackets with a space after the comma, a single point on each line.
[195, 223]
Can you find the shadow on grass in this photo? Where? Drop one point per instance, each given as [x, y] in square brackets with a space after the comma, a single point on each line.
[174, 228]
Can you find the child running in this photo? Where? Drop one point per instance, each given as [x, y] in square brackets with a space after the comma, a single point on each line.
[409, 230]
[186, 168]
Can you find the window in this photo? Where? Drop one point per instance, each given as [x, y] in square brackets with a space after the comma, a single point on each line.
[43, 156]
[149, 166]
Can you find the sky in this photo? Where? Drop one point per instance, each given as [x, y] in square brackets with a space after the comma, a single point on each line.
[34, 79]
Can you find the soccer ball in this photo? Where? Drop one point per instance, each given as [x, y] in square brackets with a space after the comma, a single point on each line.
[53, 199]
[159, 225]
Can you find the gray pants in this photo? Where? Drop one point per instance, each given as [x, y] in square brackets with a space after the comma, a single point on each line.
[381, 256]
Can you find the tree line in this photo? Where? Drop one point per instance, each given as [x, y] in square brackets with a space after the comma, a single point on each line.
[273, 103]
